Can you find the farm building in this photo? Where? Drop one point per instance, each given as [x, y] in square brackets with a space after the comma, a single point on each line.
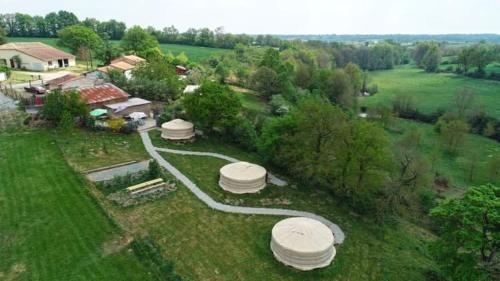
[73, 82]
[127, 107]
[103, 94]
[124, 64]
[242, 177]
[34, 56]
[177, 129]
[116, 101]
[302, 243]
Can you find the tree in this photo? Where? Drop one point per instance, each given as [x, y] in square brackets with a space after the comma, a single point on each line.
[138, 41]
[79, 38]
[432, 58]
[452, 131]
[465, 58]
[463, 102]
[469, 234]
[60, 107]
[336, 86]
[3, 36]
[107, 51]
[265, 81]
[481, 56]
[355, 76]
[212, 106]
[427, 55]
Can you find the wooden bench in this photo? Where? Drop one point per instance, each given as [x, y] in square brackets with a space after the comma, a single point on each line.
[146, 188]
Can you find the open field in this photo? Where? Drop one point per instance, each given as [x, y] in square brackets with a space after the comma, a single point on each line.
[195, 54]
[455, 168]
[432, 91]
[50, 228]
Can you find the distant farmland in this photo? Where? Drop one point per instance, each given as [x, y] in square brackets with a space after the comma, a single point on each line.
[195, 54]
[431, 91]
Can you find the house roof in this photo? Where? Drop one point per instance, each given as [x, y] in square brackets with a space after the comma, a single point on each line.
[37, 50]
[130, 59]
[102, 93]
[60, 80]
[131, 102]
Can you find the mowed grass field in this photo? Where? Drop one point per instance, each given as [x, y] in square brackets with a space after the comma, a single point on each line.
[195, 54]
[431, 91]
[50, 227]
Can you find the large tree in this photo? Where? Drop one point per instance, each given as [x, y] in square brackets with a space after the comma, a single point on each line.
[469, 241]
[3, 36]
[212, 106]
[79, 39]
[138, 41]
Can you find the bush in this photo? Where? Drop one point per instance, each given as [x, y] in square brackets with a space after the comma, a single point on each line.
[372, 89]
[244, 134]
[116, 124]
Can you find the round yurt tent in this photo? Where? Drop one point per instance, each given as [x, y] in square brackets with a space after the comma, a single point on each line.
[242, 177]
[177, 129]
[303, 243]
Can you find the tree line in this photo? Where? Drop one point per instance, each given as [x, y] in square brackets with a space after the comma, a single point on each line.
[25, 25]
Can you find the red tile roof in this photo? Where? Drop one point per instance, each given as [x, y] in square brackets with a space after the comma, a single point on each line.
[37, 50]
[105, 93]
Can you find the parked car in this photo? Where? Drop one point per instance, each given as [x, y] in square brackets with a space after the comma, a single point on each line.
[39, 90]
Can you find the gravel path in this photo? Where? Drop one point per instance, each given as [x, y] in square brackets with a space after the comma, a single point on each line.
[337, 232]
[109, 174]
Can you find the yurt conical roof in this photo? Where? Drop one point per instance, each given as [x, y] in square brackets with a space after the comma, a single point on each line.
[177, 124]
[303, 243]
[243, 171]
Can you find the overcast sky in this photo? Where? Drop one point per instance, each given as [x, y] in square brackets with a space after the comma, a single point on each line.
[286, 16]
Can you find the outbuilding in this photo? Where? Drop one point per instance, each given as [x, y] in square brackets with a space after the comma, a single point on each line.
[302, 243]
[177, 129]
[242, 177]
[34, 56]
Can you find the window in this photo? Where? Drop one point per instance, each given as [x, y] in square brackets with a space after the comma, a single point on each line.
[50, 63]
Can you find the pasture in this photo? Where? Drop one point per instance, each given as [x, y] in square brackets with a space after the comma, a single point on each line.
[431, 91]
[50, 227]
[195, 54]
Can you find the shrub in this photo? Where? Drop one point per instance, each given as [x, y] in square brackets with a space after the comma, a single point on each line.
[116, 124]
[372, 89]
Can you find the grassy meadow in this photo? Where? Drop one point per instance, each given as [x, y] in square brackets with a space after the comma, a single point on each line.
[50, 227]
[432, 91]
[476, 150]
[195, 54]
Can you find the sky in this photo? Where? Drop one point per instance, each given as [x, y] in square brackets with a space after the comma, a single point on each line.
[286, 16]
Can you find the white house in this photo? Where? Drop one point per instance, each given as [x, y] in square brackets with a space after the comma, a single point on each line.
[34, 56]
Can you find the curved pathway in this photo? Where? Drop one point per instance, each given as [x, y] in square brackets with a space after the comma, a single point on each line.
[153, 152]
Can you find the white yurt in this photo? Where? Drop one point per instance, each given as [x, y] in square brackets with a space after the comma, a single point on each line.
[177, 129]
[242, 177]
[302, 243]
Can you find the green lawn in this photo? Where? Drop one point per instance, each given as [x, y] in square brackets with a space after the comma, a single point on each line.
[86, 150]
[195, 54]
[476, 148]
[370, 252]
[50, 227]
[432, 91]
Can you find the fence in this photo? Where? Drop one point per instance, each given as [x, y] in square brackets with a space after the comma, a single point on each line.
[17, 94]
